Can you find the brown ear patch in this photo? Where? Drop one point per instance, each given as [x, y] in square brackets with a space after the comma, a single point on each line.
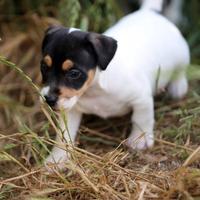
[67, 64]
[48, 60]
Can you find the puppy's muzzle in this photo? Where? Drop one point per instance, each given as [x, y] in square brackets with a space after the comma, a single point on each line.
[51, 100]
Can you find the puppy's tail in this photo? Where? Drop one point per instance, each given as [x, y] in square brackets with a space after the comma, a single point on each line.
[172, 9]
[156, 5]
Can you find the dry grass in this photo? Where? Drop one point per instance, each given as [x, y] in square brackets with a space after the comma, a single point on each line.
[101, 167]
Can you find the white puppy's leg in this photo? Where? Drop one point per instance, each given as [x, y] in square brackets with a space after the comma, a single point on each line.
[178, 86]
[142, 136]
[59, 155]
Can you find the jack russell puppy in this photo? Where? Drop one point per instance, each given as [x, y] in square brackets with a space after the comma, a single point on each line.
[113, 73]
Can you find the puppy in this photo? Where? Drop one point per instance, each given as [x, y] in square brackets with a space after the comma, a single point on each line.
[114, 73]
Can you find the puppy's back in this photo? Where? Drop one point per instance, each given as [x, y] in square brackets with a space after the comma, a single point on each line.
[148, 43]
[149, 34]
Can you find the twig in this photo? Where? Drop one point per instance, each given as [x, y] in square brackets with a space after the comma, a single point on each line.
[195, 155]
[93, 132]
[83, 176]
[174, 145]
[18, 177]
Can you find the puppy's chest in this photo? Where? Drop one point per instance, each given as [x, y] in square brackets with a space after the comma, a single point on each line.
[103, 105]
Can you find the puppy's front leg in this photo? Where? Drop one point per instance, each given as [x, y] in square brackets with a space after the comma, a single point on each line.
[58, 155]
[142, 136]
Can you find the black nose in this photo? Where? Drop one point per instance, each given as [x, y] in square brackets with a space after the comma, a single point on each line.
[51, 100]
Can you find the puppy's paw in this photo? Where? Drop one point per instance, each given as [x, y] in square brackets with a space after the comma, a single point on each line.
[178, 88]
[140, 141]
[51, 167]
[53, 163]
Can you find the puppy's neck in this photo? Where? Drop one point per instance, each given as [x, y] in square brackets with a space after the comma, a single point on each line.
[98, 84]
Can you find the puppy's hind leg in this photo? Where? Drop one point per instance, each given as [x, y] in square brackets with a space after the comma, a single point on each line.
[178, 86]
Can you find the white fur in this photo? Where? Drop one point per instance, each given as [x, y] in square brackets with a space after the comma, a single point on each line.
[73, 29]
[59, 153]
[152, 4]
[67, 103]
[151, 54]
[45, 91]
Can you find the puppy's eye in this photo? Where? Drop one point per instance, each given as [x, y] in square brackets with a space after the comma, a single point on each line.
[74, 74]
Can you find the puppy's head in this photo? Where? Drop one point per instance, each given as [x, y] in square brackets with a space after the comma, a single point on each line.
[69, 61]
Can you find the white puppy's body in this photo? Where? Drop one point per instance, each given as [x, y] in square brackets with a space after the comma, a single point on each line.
[150, 50]
[151, 55]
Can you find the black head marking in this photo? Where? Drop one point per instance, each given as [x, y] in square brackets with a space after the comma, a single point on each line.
[50, 31]
[73, 56]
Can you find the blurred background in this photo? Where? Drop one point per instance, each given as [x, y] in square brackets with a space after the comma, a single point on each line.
[22, 26]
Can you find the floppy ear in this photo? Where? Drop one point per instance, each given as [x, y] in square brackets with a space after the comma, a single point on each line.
[50, 31]
[104, 47]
